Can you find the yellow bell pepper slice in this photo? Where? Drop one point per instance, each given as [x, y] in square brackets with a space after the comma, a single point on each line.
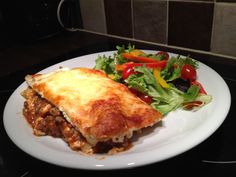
[157, 75]
[136, 52]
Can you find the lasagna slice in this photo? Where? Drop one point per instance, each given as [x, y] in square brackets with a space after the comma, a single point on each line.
[91, 112]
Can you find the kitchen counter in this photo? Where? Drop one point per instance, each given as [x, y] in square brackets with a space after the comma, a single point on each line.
[19, 59]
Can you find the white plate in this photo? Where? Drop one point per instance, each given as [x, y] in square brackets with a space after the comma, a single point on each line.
[179, 131]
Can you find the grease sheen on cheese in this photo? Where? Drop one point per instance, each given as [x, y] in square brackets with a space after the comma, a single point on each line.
[100, 108]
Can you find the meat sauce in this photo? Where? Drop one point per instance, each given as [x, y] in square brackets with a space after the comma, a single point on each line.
[46, 119]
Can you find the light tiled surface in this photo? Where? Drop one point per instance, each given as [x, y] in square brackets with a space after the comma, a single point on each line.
[93, 15]
[150, 20]
[225, 0]
[224, 31]
[194, 0]
[181, 23]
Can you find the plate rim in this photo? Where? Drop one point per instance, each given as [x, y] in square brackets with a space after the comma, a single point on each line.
[127, 165]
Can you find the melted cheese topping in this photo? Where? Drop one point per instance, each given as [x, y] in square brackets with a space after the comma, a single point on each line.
[98, 107]
[66, 81]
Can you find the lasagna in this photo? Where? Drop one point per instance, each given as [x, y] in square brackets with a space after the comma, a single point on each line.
[84, 107]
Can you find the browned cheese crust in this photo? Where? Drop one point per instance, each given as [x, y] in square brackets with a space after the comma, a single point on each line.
[98, 107]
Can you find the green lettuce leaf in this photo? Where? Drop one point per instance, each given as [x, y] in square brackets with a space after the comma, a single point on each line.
[107, 65]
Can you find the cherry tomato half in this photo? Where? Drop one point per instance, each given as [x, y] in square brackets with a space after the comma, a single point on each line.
[201, 89]
[134, 91]
[145, 98]
[142, 96]
[188, 72]
[164, 55]
[127, 72]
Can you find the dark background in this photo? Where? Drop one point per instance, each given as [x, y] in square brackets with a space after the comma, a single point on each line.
[31, 39]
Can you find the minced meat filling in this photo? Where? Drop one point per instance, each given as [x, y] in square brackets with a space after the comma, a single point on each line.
[46, 119]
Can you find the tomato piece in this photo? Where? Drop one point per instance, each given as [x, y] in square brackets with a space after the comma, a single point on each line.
[201, 89]
[134, 91]
[164, 55]
[188, 72]
[142, 96]
[127, 72]
[145, 98]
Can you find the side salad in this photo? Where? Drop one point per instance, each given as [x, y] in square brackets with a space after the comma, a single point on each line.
[164, 82]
